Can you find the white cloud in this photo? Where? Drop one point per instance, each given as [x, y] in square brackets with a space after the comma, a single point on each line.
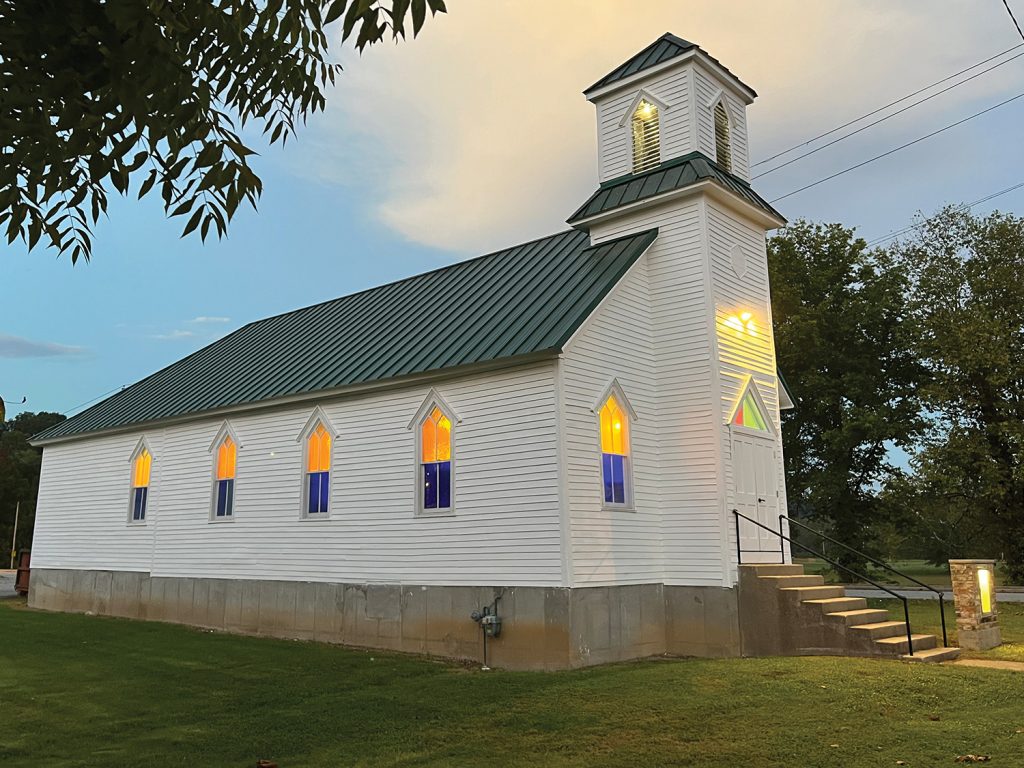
[204, 320]
[178, 333]
[20, 347]
[476, 136]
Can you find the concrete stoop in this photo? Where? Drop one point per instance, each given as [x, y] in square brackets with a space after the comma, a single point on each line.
[785, 612]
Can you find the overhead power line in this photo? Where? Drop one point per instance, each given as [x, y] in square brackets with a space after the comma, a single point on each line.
[883, 119]
[897, 149]
[964, 207]
[1014, 18]
[885, 107]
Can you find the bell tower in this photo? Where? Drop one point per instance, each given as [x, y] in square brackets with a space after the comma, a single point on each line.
[672, 155]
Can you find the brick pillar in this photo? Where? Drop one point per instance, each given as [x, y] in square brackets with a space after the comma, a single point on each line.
[977, 623]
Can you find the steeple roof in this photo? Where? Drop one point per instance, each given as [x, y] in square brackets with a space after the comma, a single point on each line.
[665, 48]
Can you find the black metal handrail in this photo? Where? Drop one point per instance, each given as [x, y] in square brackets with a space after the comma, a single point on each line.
[783, 537]
[880, 563]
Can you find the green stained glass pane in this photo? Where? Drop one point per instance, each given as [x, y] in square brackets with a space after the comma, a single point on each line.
[752, 416]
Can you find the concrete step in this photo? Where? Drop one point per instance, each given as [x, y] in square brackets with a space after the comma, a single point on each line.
[769, 569]
[897, 645]
[839, 604]
[860, 616]
[882, 629]
[795, 580]
[933, 655]
[814, 593]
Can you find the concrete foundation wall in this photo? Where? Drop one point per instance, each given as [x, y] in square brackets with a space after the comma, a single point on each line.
[542, 628]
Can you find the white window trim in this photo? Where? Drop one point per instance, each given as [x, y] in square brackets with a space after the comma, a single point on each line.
[750, 385]
[643, 95]
[614, 389]
[317, 417]
[142, 444]
[226, 430]
[432, 400]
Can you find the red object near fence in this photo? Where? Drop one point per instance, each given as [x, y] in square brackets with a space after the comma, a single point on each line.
[21, 582]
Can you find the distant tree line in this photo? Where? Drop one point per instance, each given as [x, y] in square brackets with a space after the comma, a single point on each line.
[19, 477]
[916, 349]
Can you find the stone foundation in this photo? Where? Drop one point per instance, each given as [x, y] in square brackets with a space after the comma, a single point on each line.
[542, 627]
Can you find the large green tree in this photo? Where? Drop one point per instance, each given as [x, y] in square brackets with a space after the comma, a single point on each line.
[98, 94]
[843, 345]
[19, 476]
[967, 309]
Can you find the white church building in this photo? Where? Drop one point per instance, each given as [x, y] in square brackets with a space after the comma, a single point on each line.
[556, 433]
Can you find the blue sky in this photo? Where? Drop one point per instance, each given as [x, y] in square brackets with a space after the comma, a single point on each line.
[442, 148]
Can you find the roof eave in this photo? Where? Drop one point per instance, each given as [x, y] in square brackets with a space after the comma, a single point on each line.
[711, 187]
[322, 394]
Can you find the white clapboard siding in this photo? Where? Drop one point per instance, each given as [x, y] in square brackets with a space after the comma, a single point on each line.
[614, 135]
[613, 546]
[506, 528]
[686, 409]
[707, 86]
[742, 354]
[82, 512]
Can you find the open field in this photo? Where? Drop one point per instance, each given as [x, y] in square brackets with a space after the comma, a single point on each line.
[933, 575]
[89, 691]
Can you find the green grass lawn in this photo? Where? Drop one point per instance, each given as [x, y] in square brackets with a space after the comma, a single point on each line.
[924, 617]
[933, 575]
[91, 691]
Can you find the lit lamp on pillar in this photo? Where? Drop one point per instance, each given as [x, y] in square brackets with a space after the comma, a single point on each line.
[974, 594]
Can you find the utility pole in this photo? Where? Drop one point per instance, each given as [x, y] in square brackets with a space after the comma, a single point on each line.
[14, 538]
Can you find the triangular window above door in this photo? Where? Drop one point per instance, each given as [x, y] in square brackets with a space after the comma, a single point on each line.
[749, 414]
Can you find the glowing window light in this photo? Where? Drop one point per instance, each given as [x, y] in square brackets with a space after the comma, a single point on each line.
[318, 471]
[749, 415]
[227, 456]
[646, 137]
[436, 460]
[140, 484]
[985, 588]
[742, 323]
[614, 452]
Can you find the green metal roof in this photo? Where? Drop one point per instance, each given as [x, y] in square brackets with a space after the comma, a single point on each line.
[666, 47]
[521, 301]
[674, 174]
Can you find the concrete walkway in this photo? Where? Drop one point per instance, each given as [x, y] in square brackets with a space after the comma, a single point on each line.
[924, 594]
[1012, 666]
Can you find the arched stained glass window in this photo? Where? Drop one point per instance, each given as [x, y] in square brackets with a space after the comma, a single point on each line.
[723, 144]
[646, 136]
[436, 460]
[227, 458]
[141, 468]
[615, 453]
[749, 414]
[318, 471]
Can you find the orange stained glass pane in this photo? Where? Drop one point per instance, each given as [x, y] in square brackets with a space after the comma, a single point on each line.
[143, 462]
[444, 439]
[319, 451]
[613, 428]
[429, 439]
[226, 458]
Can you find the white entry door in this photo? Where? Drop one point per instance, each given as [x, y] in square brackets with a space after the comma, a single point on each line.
[756, 495]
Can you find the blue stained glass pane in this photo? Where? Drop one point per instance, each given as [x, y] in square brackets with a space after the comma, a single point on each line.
[222, 497]
[313, 505]
[325, 489]
[430, 486]
[139, 507]
[606, 476]
[231, 498]
[444, 485]
[618, 479]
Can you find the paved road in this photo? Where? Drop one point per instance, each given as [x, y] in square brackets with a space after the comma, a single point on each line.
[7, 584]
[924, 594]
